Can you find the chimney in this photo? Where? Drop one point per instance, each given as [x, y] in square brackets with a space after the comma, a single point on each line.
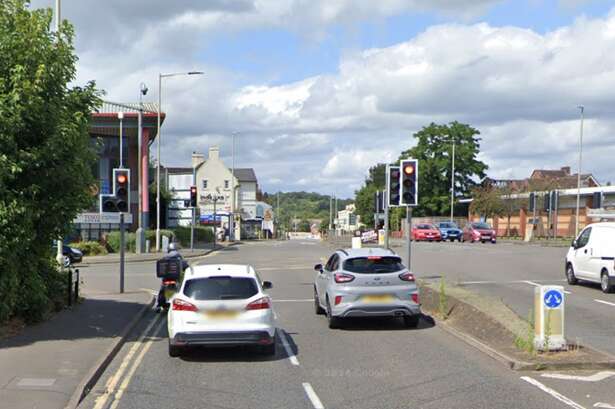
[214, 152]
[197, 159]
[566, 170]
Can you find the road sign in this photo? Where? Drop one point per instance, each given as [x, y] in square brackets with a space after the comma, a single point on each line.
[549, 318]
[553, 299]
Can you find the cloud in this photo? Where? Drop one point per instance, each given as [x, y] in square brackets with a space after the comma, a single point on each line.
[322, 133]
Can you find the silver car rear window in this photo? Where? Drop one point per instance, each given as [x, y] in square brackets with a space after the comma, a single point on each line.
[373, 265]
[220, 288]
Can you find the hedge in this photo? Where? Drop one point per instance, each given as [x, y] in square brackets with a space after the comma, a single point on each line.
[90, 248]
[113, 240]
[201, 234]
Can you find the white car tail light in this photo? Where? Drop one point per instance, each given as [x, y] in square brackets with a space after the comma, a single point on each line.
[342, 278]
[407, 276]
[260, 304]
[181, 305]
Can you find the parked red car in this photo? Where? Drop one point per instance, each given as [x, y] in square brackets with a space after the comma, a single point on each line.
[478, 231]
[426, 232]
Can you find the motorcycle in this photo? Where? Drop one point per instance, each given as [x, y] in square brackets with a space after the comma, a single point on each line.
[169, 269]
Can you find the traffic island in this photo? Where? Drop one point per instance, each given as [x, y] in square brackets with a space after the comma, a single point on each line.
[492, 327]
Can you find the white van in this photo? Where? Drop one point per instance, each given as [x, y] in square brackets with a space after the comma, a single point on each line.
[592, 256]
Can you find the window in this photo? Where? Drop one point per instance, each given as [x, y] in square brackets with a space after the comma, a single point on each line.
[584, 238]
[373, 265]
[331, 262]
[226, 184]
[204, 183]
[221, 288]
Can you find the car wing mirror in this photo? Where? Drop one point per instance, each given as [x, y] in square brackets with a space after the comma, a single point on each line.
[267, 285]
[318, 267]
[575, 243]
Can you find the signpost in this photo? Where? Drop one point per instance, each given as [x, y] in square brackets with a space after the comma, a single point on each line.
[549, 318]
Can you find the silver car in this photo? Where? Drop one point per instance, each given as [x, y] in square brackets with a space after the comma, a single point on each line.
[366, 282]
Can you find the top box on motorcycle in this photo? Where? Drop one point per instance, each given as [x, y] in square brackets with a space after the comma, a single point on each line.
[169, 268]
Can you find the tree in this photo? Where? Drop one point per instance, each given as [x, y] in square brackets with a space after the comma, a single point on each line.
[364, 197]
[434, 152]
[45, 155]
[487, 202]
[304, 226]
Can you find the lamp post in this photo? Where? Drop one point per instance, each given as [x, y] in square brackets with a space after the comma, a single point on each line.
[160, 77]
[58, 15]
[120, 116]
[576, 228]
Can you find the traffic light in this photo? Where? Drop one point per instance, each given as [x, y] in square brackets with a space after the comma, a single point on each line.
[192, 196]
[119, 200]
[532, 204]
[547, 203]
[597, 200]
[122, 189]
[409, 182]
[379, 202]
[393, 175]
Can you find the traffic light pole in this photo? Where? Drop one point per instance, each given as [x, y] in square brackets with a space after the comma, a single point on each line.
[386, 221]
[122, 250]
[409, 238]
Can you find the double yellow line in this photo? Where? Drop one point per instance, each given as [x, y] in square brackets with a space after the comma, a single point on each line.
[113, 392]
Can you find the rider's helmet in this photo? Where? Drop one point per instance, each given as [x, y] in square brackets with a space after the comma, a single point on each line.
[172, 247]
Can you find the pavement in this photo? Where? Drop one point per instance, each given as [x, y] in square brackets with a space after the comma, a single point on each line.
[367, 364]
[45, 364]
[114, 258]
[74, 346]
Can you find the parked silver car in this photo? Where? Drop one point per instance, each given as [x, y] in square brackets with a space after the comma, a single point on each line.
[366, 282]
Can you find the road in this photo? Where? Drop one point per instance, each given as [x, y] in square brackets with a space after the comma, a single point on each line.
[368, 364]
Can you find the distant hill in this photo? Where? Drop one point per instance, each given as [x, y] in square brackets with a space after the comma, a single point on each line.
[303, 205]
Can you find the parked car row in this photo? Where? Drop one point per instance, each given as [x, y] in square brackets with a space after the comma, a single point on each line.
[472, 232]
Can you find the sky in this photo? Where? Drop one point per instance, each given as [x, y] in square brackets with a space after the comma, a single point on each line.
[320, 90]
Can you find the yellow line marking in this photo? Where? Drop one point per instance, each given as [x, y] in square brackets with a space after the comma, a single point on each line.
[133, 369]
[112, 382]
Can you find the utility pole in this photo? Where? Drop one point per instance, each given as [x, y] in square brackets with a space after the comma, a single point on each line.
[140, 239]
[453, 182]
[193, 211]
[576, 227]
[277, 215]
[232, 218]
[58, 15]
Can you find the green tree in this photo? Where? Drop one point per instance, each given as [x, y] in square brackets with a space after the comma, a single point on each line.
[364, 197]
[434, 152]
[45, 155]
[304, 226]
[487, 201]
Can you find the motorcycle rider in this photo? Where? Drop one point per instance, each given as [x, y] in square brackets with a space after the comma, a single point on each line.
[172, 253]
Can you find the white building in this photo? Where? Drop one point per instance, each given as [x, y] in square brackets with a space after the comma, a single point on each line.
[347, 220]
[214, 182]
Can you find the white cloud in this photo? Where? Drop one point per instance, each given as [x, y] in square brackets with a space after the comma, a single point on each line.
[519, 87]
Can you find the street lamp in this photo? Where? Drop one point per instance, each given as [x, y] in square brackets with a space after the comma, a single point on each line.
[160, 77]
[576, 229]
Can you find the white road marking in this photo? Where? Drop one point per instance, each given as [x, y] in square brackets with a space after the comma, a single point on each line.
[534, 283]
[312, 396]
[299, 300]
[552, 392]
[133, 369]
[531, 283]
[291, 356]
[303, 267]
[603, 405]
[605, 302]
[597, 377]
[112, 382]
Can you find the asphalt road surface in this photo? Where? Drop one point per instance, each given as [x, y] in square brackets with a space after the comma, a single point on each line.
[368, 364]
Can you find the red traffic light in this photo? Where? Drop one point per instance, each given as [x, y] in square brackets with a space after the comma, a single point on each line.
[121, 178]
[409, 169]
[193, 189]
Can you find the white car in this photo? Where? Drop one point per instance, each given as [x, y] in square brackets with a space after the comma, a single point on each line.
[221, 305]
[591, 256]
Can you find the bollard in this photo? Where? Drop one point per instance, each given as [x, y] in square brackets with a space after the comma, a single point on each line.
[69, 275]
[77, 286]
[549, 318]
